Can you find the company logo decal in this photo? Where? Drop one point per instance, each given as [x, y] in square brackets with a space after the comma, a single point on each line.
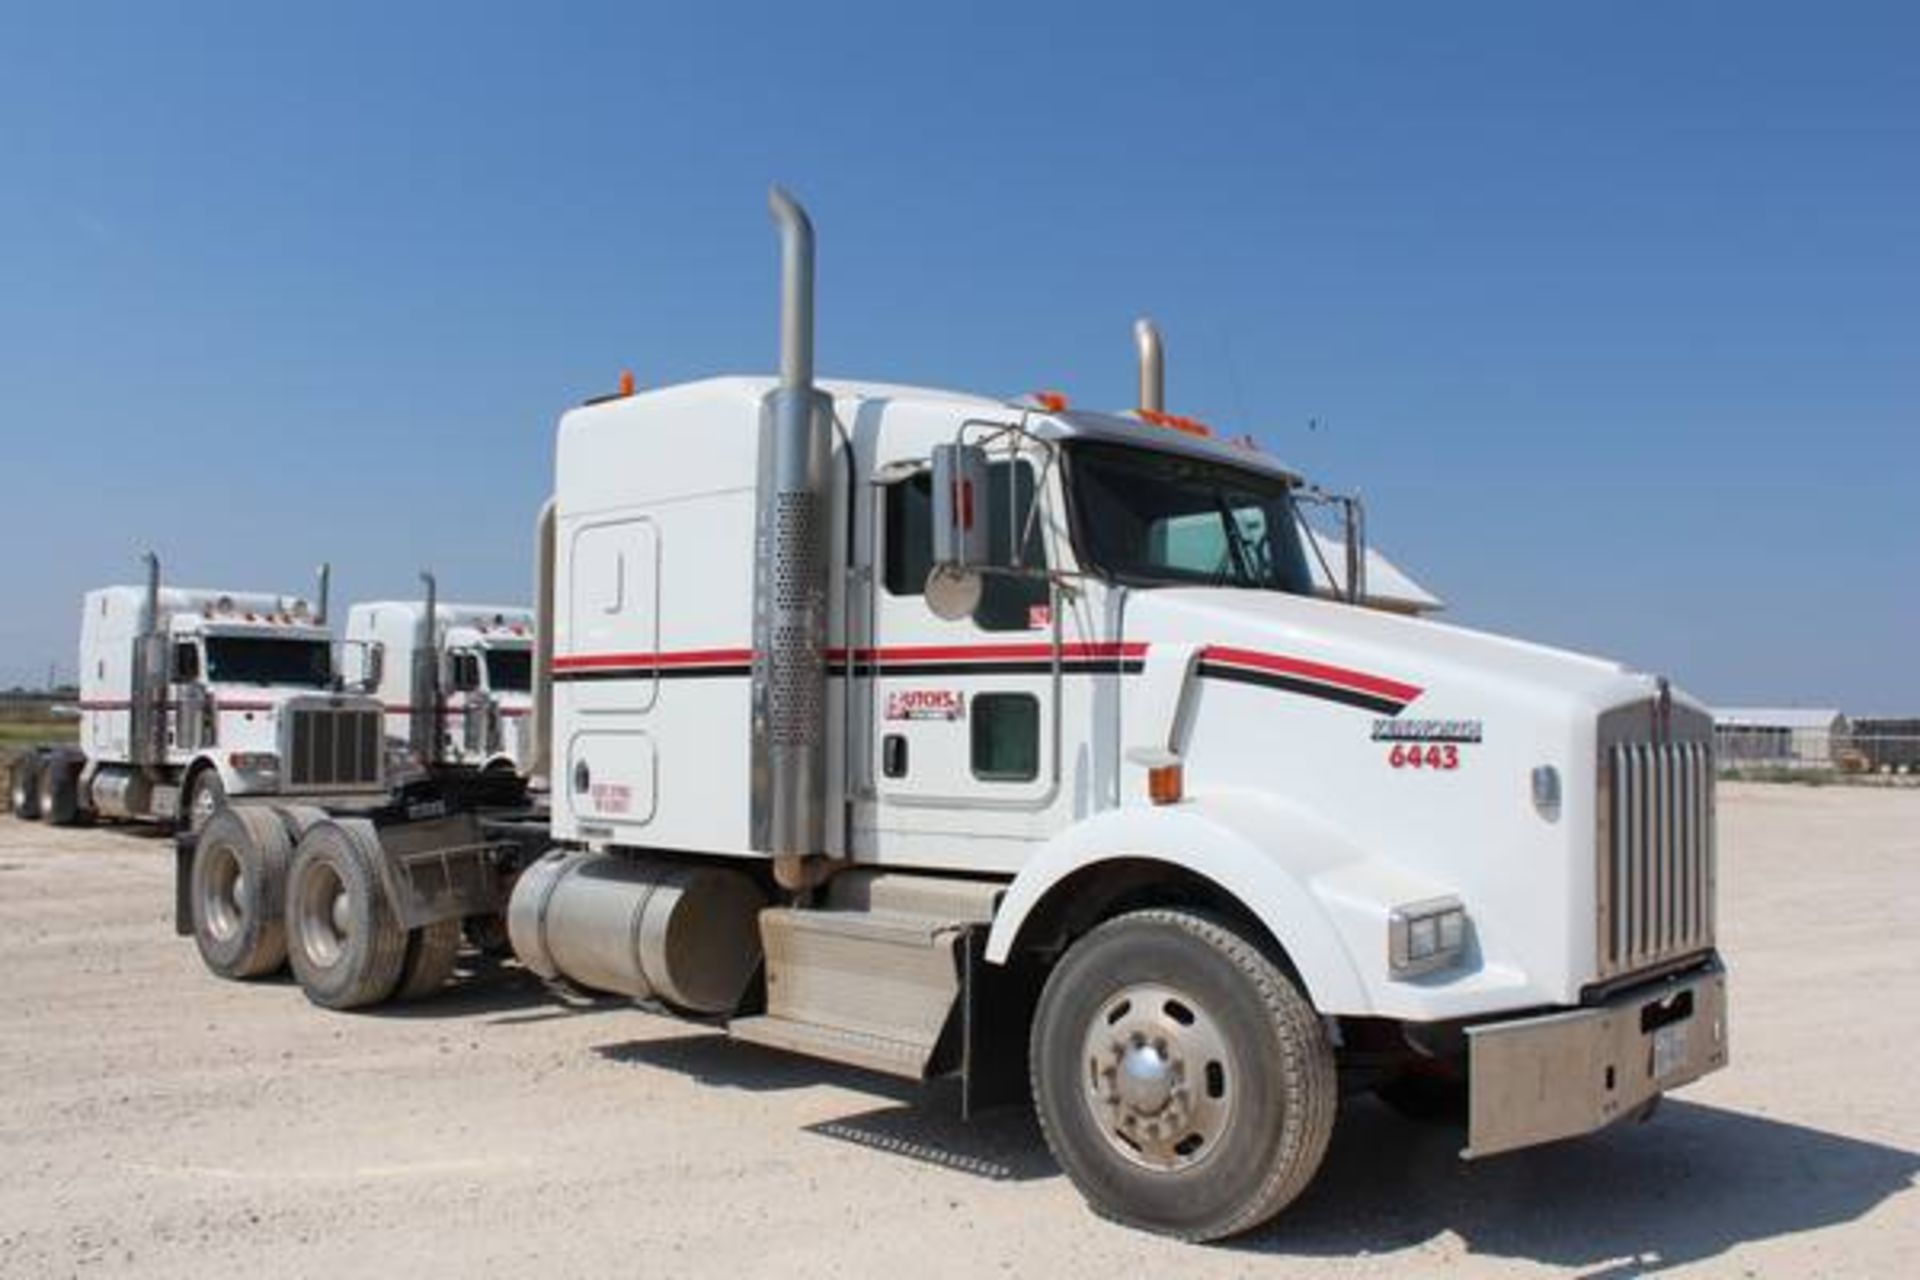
[926, 704]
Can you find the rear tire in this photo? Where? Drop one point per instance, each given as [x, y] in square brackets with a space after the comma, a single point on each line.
[1182, 1080]
[25, 799]
[60, 791]
[345, 943]
[239, 892]
[431, 953]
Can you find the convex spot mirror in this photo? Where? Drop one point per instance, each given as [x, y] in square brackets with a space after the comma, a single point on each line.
[953, 593]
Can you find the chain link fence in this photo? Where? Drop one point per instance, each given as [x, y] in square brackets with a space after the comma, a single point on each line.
[1878, 750]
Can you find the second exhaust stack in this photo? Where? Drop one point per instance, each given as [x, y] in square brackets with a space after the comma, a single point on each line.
[1153, 366]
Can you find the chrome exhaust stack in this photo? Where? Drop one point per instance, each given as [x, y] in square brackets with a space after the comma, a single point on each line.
[424, 724]
[1153, 366]
[320, 593]
[540, 761]
[147, 730]
[790, 590]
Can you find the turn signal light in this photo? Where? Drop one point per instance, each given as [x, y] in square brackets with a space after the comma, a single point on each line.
[1165, 784]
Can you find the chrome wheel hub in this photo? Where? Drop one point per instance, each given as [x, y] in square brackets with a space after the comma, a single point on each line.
[226, 887]
[1159, 1079]
[322, 915]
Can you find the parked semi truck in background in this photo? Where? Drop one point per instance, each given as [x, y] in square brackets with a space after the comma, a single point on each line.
[191, 695]
[455, 680]
[941, 734]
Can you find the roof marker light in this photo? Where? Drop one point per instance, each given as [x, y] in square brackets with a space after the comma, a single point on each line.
[1051, 401]
[1174, 422]
[626, 382]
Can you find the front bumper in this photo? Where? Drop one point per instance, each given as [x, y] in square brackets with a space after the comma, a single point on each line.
[1560, 1075]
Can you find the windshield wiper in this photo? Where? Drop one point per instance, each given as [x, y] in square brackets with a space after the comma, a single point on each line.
[1236, 543]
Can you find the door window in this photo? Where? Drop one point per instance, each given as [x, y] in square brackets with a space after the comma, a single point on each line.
[1006, 737]
[1008, 602]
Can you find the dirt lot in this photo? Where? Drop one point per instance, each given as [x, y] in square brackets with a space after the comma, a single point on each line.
[156, 1122]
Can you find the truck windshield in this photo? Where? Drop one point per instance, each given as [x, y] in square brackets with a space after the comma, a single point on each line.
[1160, 519]
[510, 670]
[265, 660]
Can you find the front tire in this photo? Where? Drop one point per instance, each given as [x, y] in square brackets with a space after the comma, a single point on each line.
[239, 892]
[345, 943]
[206, 796]
[1182, 1080]
[25, 798]
[60, 791]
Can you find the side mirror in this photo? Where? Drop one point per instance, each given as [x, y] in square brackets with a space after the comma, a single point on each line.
[374, 666]
[465, 665]
[186, 662]
[959, 506]
[960, 533]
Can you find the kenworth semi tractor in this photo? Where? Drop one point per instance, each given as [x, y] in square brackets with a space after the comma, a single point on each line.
[189, 696]
[455, 680]
[941, 734]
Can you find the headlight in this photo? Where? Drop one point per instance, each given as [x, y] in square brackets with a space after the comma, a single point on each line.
[1425, 936]
[254, 761]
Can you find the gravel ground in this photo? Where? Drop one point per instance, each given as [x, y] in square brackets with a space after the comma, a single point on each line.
[154, 1121]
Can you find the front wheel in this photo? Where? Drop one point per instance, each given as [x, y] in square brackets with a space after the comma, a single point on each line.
[1183, 1081]
[25, 800]
[205, 797]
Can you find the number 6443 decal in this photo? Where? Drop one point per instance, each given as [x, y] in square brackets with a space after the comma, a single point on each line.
[1414, 755]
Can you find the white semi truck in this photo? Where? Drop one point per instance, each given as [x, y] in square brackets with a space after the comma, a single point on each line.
[941, 734]
[455, 680]
[191, 695]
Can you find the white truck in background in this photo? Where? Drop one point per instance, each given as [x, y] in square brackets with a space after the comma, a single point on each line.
[455, 680]
[189, 696]
[942, 734]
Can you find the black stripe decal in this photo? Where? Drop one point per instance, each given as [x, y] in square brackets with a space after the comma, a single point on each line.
[1040, 667]
[1312, 689]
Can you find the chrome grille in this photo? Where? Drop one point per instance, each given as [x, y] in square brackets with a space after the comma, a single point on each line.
[333, 748]
[1656, 852]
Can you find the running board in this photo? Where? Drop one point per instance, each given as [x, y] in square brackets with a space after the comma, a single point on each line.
[872, 977]
[835, 1044]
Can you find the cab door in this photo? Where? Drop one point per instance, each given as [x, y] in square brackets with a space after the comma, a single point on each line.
[964, 714]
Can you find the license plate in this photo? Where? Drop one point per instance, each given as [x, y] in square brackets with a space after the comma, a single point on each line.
[1670, 1048]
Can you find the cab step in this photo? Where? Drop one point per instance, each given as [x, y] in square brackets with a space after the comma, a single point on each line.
[870, 977]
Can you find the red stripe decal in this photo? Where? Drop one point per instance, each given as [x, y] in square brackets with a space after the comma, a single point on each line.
[1308, 670]
[685, 658]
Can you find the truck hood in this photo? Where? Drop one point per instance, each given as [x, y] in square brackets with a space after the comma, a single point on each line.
[1437, 659]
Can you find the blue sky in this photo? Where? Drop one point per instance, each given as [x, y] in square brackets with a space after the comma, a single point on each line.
[1612, 311]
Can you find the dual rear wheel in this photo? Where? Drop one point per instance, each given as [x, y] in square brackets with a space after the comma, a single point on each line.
[274, 887]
